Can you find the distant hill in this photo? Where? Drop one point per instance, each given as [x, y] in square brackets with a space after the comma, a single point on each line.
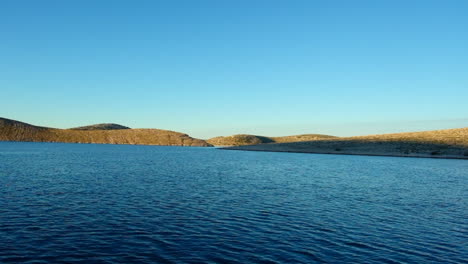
[106, 126]
[11, 130]
[244, 139]
[448, 143]
[300, 138]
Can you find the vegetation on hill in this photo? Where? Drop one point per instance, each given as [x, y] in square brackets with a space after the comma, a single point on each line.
[438, 143]
[11, 130]
[243, 139]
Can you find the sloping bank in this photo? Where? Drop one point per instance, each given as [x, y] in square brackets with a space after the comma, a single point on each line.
[11, 130]
[449, 143]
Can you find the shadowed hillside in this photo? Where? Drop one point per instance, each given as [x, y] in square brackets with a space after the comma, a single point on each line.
[11, 130]
[242, 139]
[439, 143]
[239, 140]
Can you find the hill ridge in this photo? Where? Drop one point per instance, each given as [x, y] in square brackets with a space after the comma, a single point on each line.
[249, 139]
[443, 143]
[101, 126]
[12, 130]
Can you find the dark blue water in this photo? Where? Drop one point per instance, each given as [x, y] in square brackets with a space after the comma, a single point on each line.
[73, 203]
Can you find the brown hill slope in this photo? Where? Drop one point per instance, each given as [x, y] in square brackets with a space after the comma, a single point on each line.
[449, 143]
[11, 130]
[106, 126]
[243, 139]
[300, 138]
[239, 140]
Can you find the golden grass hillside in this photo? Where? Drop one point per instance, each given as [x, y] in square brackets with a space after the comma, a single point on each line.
[448, 143]
[11, 130]
[244, 139]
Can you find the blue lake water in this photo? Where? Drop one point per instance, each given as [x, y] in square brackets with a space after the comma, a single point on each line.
[78, 203]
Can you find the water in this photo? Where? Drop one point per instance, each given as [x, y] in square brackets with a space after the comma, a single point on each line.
[74, 203]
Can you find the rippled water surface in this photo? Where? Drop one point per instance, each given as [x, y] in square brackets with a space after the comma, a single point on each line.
[73, 203]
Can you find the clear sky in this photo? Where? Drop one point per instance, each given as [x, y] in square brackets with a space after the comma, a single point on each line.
[210, 68]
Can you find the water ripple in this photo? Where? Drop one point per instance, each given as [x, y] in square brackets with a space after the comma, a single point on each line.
[71, 203]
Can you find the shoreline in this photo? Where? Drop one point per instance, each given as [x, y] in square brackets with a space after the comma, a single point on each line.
[258, 148]
[94, 143]
[415, 155]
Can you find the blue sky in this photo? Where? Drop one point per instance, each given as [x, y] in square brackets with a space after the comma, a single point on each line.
[210, 68]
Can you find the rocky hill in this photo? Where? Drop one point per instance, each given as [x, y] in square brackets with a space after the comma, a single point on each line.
[448, 143]
[243, 139]
[106, 126]
[11, 130]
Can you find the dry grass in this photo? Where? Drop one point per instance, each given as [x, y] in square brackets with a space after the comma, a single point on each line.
[449, 143]
[301, 138]
[439, 143]
[11, 130]
[243, 139]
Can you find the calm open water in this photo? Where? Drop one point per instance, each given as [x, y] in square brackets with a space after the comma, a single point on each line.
[74, 203]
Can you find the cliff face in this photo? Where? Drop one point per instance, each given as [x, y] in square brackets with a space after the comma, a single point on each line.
[11, 130]
[243, 140]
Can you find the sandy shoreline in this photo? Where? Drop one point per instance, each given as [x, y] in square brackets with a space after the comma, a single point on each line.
[360, 146]
[353, 154]
[440, 144]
